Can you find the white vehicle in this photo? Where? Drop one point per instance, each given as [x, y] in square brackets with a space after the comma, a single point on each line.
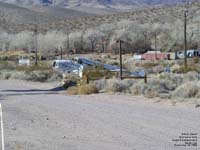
[137, 57]
[68, 67]
[24, 61]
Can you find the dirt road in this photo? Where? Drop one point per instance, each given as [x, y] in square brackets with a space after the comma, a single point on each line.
[40, 117]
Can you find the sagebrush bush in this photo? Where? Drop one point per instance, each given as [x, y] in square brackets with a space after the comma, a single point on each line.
[117, 85]
[151, 93]
[6, 75]
[7, 65]
[187, 90]
[19, 75]
[100, 84]
[40, 76]
[138, 88]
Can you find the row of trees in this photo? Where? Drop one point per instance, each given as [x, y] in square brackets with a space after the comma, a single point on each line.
[137, 37]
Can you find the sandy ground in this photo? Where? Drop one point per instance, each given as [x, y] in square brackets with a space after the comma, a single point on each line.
[40, 117]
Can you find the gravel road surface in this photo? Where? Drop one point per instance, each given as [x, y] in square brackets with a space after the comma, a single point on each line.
[39, 116]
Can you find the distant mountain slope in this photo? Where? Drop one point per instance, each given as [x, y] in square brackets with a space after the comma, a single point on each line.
[15, 18]
[86, 7]
[95, 3]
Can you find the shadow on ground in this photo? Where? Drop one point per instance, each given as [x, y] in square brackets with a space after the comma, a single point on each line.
[56, 90]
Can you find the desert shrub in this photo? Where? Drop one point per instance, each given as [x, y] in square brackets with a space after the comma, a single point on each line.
[153, 88]
[6, 75]
[167, 85]
[191, 76]
[7, 65]
[31, 68]
[196, 60]
[100, 84]
[138, 88]
[87, 89]
[150, 93]
[4, 58]
[72, 91]
[179, 79]
[198, 94]
[116, 85]
[187, 90]
[19, 75]
[176, 79]
[41, 76]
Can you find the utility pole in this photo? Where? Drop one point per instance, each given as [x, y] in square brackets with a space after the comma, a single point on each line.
[35, 38]
[185, 37]
[145, 39]
[120, 56]
[67, 40]
[61, 53]
[155, 45]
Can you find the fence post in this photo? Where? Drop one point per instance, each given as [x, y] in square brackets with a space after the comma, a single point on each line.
[145, 78]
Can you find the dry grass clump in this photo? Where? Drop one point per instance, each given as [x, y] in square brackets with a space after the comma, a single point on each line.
[148, 65]
[86, 89]
[72, 90]
[186, 70]
[187, 90]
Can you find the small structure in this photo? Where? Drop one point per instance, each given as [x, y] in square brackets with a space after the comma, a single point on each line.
[155, 55]
[190, 53]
